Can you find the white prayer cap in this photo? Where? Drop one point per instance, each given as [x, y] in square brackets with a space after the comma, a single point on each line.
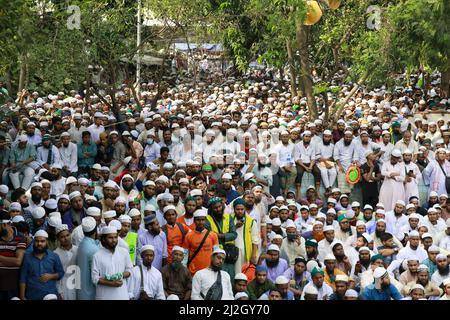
[178, 248]
[36, 184]
[380, 211]
[15, 206]
[4, 188]
[426, 235]
[279, 198]
[163, 179]
[414, 216]
[149, 183]
[281, 280]
[63, 196]
[414, 233]
[441, 256]
[109, 214]
[311, 290]
[444, 195]
[290, 224]
[148, 207]
[434, 248]
[407, 151]
[147, 247]
[200, 213]
[277, 236]
[38, 213]
[341, 277]
[433, 194]
[431, 210]
[54, 221]
[120, 200]
[55, 214]
[183, 180]
[70, 180]
[381, 220]
[284, 208]
[195, 193]
[348, 132]
[74, 194]
[329, 256]
[367, 237]
[116, 224]
[273, 247]
[355, 204]
[61, 228]
[227, 176]
[88, 197]
[400, 202]
[169, 207]
[109, 230]
[93, 212]
[328, 228]
[239, 295]
[360, 223]
[17, 219]
[276, 222]
[124, 218]
[88, 224]
[331, 200]
[396, 153]
[331, 211]
[417, 286]
[240, 276]
[410, 206]
[110, 184]
[317, 223]
[83, 181]
[350, 293]
[172, 297]
[327, 133]
[379, 272]
[446, 282]
[379, 204]
[313, 205]
[97, 167]
[217, 250]
[51, 204]
[350, 214]
[364, 249]
[50, 296]
[41, 233]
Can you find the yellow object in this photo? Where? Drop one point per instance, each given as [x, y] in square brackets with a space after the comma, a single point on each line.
[334, 4]
[313, 14]
[225, 226]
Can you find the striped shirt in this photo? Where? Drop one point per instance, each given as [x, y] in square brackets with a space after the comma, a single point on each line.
[10, 275]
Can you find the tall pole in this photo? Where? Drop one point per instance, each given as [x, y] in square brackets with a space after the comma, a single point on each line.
[138, 42]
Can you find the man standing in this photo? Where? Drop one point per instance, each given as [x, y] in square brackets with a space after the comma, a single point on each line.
[68, 255]
[200, 243]
[382, 289]
[175, 231]
[22, 154]
[145, 282]
[97, 127]
[156, 238]
[212, 283]
[87, 151]
[345, 153]
[41, 270]
[69, 156]
[305, 158]
[413, 176]
[222, 224]
[177, 279]
[371, 175]
[111, 264]
[88, 247]
[117, 163]
[12, 250]
[392, 188]
[436, 172]
[129, 237]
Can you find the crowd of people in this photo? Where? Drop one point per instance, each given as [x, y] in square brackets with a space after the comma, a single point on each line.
[225, 191]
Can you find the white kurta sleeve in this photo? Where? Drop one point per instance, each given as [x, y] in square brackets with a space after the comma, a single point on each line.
[196, 287]
[95, 270]
[160, 288]
[133, 284]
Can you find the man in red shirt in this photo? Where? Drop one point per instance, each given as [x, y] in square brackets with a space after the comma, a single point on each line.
[175, 231]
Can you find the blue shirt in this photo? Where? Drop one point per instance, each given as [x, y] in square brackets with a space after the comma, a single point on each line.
[159, 242]
[231, 195]
[33, 268]
[67, 218]
[371, 293]
[86, 250]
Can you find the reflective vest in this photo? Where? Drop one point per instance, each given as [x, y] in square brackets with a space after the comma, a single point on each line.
[225, 226]
[131, 240]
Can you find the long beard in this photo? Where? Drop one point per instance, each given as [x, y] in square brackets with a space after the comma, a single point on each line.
[272, 264]
[444, 271]
[378, 233]
[326, 143]
[176, 265]
[128, 188]
[347, 143]
[36, 199]
[38, 251]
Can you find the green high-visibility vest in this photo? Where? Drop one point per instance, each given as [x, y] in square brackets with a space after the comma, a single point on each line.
[131, 240]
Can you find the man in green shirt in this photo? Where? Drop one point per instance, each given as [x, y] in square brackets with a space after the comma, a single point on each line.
[22, 154]
[87, 151]
[260, 284]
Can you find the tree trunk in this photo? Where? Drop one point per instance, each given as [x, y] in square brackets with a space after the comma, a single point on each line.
[293, 75]
[302, 39]
[340, 106]
[22, 75]
[445, 83]
[327, 107]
